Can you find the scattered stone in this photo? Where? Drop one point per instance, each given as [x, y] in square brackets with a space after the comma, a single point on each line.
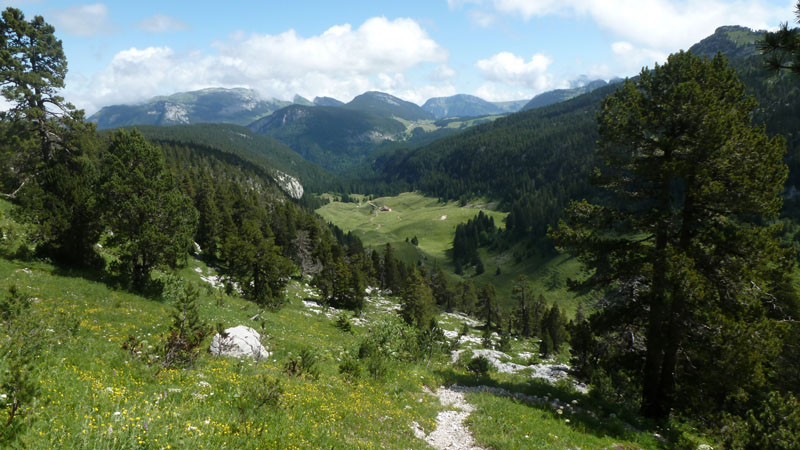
[239, 342]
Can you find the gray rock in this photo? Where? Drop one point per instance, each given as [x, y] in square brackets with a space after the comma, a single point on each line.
[239, 342]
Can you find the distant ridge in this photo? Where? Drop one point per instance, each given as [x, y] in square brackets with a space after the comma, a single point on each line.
[382, 104]
[219, 105]
[461, 105]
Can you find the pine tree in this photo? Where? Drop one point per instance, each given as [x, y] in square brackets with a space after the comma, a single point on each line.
[467, 297]
[546, 345]
[694, 184]
[153, 223]
[390, 278]
[255, 263]
[419, 307]
[781, 48]
[48, 148]
[487, 300]
[521, 293]
[181, 346]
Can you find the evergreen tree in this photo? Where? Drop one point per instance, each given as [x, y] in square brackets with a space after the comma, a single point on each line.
[210, 223]
[781, 48]
[441, 288]
[255, 263]
[546, 345]
[181, 346]
[419, 306]
[694, 184]
[468, 298]
[390, 278]
[152, 222]
[48, 149]
[487, 300]
[554, 326]
[521, 293]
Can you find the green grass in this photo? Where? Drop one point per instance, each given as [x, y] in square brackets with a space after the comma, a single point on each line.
[96, 395]
[416, 215]
[412, 215]
[93, 394]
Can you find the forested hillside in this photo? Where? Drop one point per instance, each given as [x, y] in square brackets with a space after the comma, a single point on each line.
[536, 161]
[260, 150]
[332, 137]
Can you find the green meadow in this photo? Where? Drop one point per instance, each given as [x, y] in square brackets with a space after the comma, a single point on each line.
[434, 224]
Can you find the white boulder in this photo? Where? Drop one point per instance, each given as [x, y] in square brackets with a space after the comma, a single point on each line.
[239, 342]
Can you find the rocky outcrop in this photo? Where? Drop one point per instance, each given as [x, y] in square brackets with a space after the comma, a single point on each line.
[239, 342]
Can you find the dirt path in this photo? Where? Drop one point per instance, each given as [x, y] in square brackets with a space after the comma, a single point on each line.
[450, 432]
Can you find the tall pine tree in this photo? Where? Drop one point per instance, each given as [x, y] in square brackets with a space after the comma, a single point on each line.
[686, 243]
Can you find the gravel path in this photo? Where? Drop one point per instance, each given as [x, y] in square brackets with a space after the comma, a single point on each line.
[450, 432]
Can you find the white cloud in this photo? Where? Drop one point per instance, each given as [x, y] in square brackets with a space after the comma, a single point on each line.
[161, 23]
[453, 4]
[482, 18]
[510, 77]
[508, 68]
[631, 59]
[443, 72]
[661, 24]
[83, 20]
[342, 62]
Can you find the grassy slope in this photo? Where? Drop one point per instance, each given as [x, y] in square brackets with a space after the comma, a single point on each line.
[416, 215]
[94, 394]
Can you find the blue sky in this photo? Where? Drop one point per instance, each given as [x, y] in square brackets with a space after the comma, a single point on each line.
[129, 51]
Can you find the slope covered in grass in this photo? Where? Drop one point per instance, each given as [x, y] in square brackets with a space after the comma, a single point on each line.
[413, 214]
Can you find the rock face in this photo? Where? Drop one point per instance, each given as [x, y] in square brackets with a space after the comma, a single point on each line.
[289, 184]
[239, 342]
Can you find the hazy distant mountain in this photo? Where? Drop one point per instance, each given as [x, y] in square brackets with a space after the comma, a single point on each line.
[300, 100]
[511, 106]
[461, 105]
[560, 95]
[327, 101]
[239, 106]
[384, 105]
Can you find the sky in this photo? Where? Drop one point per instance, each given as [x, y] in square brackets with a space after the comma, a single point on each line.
[129, 51]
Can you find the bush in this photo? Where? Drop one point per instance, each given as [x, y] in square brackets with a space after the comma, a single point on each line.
[505, 343]
[350, 368]
[25, 332]
[304, 365]
[343, 323]
[774, 425]
[393, 338]
[479, 365]
[182, 343]
[377, 366]
[257, 393]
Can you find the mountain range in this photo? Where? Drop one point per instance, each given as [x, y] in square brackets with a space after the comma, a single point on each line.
[240, 106]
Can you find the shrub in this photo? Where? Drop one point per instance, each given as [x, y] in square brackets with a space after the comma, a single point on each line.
[257, 393]
[377, 366]
[187, 331]
[479, 365]
[775, 425]
[505, 343]
[350, 368]
[343, 323]
[305, 364]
